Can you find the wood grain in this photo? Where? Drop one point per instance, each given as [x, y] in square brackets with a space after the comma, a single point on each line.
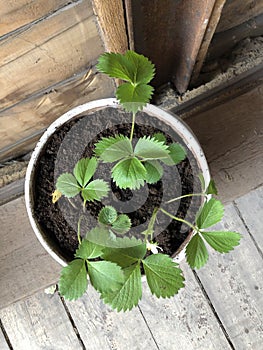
[236, 12]
[40, 323]
[234, 284]
[49, 52]
[102, 328]
[248, 205]
[22, 124]
[110, 16]
[25, 267]
[18, 13]
[185, 321]
[231, 137]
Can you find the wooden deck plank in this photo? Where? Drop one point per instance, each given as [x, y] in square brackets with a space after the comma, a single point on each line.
[251, 209]
[3, 343]
[25, 267]
[185, 321]
[233, 143]
[102, 328]
[234, 284]
[39, 323]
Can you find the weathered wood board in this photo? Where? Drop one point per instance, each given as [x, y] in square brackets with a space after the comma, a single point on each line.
[52, 50]
[249, 205]
[234, 284]
[25, 266]
[231, 137]
[18, 13]
[22, 124]
[185, 321]
[40, 323]
[102, 328]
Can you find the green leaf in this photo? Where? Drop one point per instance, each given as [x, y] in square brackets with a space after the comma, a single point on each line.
[129, 293]
[95, 190]
[177, 153]
[68, 185]
[73, 280]
[105, 276]
[122, 224]
[160, 137]
[130, 67]
[154, 171]
[222, 241]
[211, 213]
[100, 236]
[129, 173]
[88, 250]
[115, 148]
[211, 188]
[196, 252]
[163, 275]
[125, 257]
[115, 65]
[142, 67]
[107, 215]
[134, 97]
[84, 170]
[149, 148]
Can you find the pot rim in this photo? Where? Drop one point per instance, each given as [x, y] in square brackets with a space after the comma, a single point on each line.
[175, 122]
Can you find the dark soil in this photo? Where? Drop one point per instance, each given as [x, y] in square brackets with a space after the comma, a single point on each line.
[75, 140]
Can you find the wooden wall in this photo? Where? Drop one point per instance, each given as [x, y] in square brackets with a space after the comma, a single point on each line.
[48, 50]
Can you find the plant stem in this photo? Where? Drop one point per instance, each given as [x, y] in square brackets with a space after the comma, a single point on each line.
[179, 219]
[185, 196]
[79, 222]
[132, 127]
[150, 229]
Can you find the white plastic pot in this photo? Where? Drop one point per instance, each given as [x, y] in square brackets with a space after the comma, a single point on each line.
[174, 122]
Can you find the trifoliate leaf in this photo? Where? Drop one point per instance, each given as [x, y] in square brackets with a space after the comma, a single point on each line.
[68, 185]
[211, 213]
[122, 224]
[107, 215]
[163, 275]
[116, 65]
[84, 170]
[154, 171]
[129, 173]
[134, 97]
[115, 148]
[142, 67]
[126, 242]
[105, 276]
[125, 256]
[130, 292]
[160, 137]
[177, 153]
[196, 252]
[73, 280]
[88, 250]
[222, 241]
[95, 190]
[149, 149]
[211, 188]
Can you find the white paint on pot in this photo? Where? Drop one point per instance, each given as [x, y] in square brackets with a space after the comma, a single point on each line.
[173, 121]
